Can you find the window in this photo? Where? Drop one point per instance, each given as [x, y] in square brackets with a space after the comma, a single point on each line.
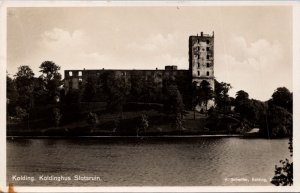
[207, 57]
[70, 73]
[198, 56]
[207, 48]
[198, 65]
[198, 73]
[79, 73]
[80, 81]
[207, 73]
[207, 41]
[207, 65]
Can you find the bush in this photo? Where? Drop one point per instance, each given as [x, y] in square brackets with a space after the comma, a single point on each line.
[284, 174]
[144, 123]
[21, 113]
[56, 116]
[92, 119]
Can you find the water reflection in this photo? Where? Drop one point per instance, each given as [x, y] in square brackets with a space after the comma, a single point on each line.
[147, 161]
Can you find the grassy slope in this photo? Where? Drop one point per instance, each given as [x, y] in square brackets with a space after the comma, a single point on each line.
[126, 123]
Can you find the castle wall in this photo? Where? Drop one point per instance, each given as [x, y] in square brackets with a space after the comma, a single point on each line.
[74, 79]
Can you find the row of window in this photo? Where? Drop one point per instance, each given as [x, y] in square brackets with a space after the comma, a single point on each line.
[198, 56]
[207, 65]
[207, 73]
[207, 49]
[79, 73]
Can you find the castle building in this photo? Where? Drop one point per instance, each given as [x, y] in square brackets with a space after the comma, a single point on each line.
[201, 67]
[201, 58]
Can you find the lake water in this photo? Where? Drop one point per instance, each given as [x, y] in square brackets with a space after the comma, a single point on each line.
[143, 162]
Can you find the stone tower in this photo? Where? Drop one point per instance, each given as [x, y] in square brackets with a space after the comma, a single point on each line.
[201, 60]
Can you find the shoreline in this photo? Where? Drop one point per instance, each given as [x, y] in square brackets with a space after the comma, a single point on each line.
[107, 136]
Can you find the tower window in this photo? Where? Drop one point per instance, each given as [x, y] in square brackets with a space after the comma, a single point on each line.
[207, 65]
[207, 48]
[207, 73]
[198, 73]
[207, 57]
[70, 73]
[198, 56]
[207, 41]
[198, 65]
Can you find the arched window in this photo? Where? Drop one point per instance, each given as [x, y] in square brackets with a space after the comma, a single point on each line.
[207, 73]
[198, 73]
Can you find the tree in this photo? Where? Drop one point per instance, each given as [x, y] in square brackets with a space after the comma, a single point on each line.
[137, 85]
[11, 95]
[144, 124]
[89, 91]
[92, 120]
[50, 70]
[205, 93]
[10, 88]
[195, 97]
[39, 91]
[222, 98]
[277, 122]
[151, 90]
[51, 77]
[284, 173]
[174, 105]
[242, 103]
[241, 96]
[283, 97]
[56, 116]
[21, 113]
[25, 84]
[116, 88]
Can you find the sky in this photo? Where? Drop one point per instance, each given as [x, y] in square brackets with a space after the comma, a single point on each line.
[253, 44]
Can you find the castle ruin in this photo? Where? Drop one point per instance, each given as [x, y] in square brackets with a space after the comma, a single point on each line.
[201, 67]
